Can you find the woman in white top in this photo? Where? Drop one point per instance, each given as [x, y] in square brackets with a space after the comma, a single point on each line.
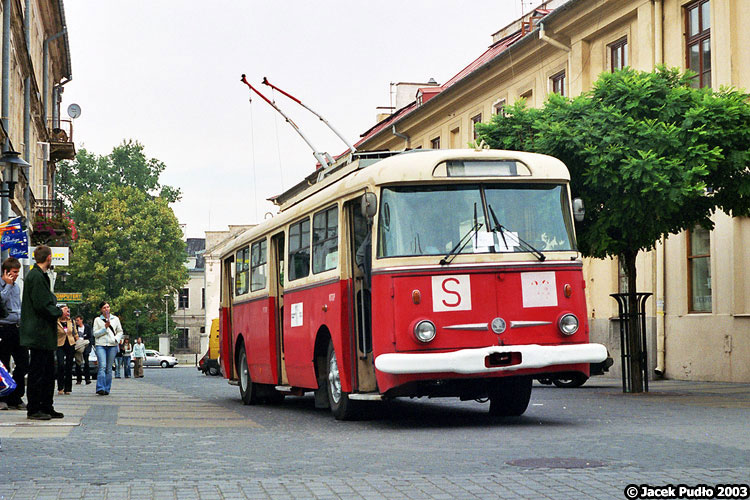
[108, 333]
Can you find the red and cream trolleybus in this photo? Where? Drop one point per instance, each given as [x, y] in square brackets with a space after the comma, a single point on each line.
[424, 273]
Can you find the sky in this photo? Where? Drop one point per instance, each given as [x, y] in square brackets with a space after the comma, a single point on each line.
[167, 74]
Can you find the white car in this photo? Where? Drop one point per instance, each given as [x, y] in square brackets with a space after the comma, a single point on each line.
[155, 358]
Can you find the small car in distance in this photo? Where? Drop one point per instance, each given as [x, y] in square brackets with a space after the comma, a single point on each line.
[155, 358]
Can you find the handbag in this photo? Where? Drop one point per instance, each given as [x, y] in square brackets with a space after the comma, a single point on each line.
[7, 384]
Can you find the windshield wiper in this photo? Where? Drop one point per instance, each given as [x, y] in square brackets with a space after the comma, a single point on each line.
[463, 241]
[501, 229]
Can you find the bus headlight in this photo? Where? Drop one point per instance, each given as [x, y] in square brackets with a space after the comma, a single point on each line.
[425, 331]
[568, 324]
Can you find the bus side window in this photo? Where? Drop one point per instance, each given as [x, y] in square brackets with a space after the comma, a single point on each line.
[242, 266]
[299, 250]
[325, 251]
[258, 262]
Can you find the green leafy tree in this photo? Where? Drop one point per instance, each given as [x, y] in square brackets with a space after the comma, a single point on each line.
[126, 165]
[130, 252]
[648, 154]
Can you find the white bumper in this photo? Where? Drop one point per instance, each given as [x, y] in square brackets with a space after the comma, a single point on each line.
[473, 360]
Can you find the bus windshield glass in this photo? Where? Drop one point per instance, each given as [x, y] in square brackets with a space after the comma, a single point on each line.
[431, 220]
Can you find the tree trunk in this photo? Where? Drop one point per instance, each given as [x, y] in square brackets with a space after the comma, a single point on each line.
[634, 326]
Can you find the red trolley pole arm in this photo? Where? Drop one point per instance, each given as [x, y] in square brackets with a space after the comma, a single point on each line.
[351, 148]
[318, 156]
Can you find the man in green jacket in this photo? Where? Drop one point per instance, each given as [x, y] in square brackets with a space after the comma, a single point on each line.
[39, 313]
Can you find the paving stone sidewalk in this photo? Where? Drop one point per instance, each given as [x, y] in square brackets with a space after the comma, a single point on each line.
[179, 435]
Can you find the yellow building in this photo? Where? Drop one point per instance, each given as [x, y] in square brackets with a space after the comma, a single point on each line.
[699, 317]
[35, 66]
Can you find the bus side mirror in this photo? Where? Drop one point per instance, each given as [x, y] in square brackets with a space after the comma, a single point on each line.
[578, 210]
[369, 205]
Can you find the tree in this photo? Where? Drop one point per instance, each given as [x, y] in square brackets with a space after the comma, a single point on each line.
[126, 165]
[130, 252]
[648, 154]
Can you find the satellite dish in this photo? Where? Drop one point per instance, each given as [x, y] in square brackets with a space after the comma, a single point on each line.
[74, 111]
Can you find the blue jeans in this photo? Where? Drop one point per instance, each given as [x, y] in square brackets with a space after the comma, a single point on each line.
[118, 366]
[126, 366]
[105, 356]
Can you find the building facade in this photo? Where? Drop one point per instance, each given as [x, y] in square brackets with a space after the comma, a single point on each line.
[699, 317]
[215, 243]
[190, 303]
[36, 65]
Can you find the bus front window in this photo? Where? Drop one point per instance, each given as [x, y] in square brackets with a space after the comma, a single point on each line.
[538, 213]
[427, 220]
[431, 220]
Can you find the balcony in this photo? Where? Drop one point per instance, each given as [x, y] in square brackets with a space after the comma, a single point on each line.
[48, 208]
[51, 225]
[61, 145]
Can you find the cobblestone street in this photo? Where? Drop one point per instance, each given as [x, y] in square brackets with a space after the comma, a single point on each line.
[177, 434]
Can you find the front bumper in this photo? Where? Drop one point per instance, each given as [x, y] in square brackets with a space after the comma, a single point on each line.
[488, 359]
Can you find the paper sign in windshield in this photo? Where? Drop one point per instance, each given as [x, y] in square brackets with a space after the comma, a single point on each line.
[484, 241]
[539, 289]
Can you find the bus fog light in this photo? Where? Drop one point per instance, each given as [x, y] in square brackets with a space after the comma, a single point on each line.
[425, 331]
[568, 324]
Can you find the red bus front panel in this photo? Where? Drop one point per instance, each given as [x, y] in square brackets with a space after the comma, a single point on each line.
[524, 304]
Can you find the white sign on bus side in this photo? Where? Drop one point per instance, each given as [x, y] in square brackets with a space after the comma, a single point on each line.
[451, 293]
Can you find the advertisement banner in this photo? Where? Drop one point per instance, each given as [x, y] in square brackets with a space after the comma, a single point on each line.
[16, 241]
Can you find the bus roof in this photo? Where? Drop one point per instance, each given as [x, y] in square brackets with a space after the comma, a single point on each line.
[409, 166]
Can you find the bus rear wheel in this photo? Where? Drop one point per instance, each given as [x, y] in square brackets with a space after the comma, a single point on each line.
[248, 390]
[341, 406]
[510, 396]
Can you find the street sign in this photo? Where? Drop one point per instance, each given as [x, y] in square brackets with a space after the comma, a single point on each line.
[69, 297]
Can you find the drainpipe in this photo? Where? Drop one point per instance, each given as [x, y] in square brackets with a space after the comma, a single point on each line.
[45, 90]
[661, 254]
[658, 32]
[402, 136]
[546, 38]
[7, 14]
[27, 123]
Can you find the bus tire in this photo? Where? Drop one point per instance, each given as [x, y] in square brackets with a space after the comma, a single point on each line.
[213, 371]
[341, 406]
[248, 390]
[510, 396]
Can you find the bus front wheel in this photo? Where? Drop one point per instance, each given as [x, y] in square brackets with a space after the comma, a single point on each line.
[341, 406]
[510, 396]
[248, 390]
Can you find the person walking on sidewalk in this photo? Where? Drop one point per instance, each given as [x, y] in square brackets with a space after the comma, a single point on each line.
[108, 333]
[126, 349]
[38, 332]
[10, 344]
[84, 332]
[139, 357]
[118, 361]
[66, 341]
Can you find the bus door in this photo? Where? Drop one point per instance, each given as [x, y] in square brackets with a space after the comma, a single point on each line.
[360, 317]
[277, 274]
[227, 332]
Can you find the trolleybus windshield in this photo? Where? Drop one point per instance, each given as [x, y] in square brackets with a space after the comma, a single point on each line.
[430, 220]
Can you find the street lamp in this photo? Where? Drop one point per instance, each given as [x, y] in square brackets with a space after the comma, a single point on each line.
[137, 313]
[11, 161]
[166, 315]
